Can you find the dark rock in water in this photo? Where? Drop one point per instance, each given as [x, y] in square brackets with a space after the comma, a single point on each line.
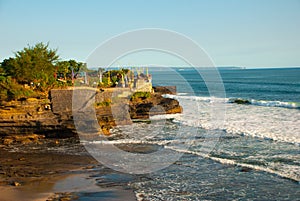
[65, 196]
[240, 101]
[114, 179]
[139, 148]
[245, 169]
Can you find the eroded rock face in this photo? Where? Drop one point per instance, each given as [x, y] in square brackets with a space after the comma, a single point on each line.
[22, 139]
[156, 105]
[165, 89]
[34, 116]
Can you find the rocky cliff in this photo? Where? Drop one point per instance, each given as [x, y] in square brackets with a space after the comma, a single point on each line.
[53, 117]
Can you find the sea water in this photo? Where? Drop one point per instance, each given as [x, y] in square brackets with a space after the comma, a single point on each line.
[255, 154]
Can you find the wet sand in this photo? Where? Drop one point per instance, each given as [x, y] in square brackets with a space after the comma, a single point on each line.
[55, 176]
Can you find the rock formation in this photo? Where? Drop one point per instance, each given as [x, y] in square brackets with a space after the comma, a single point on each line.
[53, 117]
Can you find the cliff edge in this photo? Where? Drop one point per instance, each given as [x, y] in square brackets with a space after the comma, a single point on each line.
[53, 118]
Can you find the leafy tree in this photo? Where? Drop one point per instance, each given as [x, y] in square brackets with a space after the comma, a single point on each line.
[10, 89]
[2, 71]
[77, 66]
[65, 67]
[7, 65]
[37, 64]
[33, 64]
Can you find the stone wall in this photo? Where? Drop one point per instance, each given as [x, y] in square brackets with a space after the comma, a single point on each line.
[61, 99]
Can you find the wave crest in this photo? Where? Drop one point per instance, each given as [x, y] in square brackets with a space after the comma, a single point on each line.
[266, 103]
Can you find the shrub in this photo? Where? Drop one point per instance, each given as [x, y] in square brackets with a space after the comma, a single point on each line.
[140, 95]
[104, 103]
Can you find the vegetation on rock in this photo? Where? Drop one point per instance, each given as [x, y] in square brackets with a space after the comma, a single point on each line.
[140, 95]
[112, 77]
[25, 101]
[104, 103]
[33, 71]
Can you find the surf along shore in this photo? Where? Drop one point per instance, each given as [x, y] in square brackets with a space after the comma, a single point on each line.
[41, 155]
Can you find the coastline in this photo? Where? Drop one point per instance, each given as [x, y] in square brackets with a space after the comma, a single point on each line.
[49, 175]
[41, 157]
[236, 181]
[53, 117]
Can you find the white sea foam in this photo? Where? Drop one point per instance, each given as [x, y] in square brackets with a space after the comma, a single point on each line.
[164, 116]
[283, 170]
[265, 103]
[181, 94]
[286, 171]
[276, 123]
[291, 105]
[276, 103]
[131, 141]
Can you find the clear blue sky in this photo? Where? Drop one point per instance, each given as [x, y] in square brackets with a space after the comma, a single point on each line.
[234, 33]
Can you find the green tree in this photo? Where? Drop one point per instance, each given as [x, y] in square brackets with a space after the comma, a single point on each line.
[7, 66]
[65, 67]
[37, 64]
[33, 64]
[11, 90]
[2, 71]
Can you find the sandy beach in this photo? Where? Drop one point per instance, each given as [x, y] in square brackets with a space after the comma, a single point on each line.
[52, 176]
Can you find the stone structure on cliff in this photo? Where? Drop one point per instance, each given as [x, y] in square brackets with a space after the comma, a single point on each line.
[143, 82]
[134, 80]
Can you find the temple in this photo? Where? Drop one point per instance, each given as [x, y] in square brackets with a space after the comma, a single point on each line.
[136, 79]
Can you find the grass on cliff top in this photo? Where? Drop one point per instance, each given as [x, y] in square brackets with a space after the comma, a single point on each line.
[140, 95]
[137, 96]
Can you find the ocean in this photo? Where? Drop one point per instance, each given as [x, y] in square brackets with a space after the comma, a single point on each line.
[253, 154]
[238, 138]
